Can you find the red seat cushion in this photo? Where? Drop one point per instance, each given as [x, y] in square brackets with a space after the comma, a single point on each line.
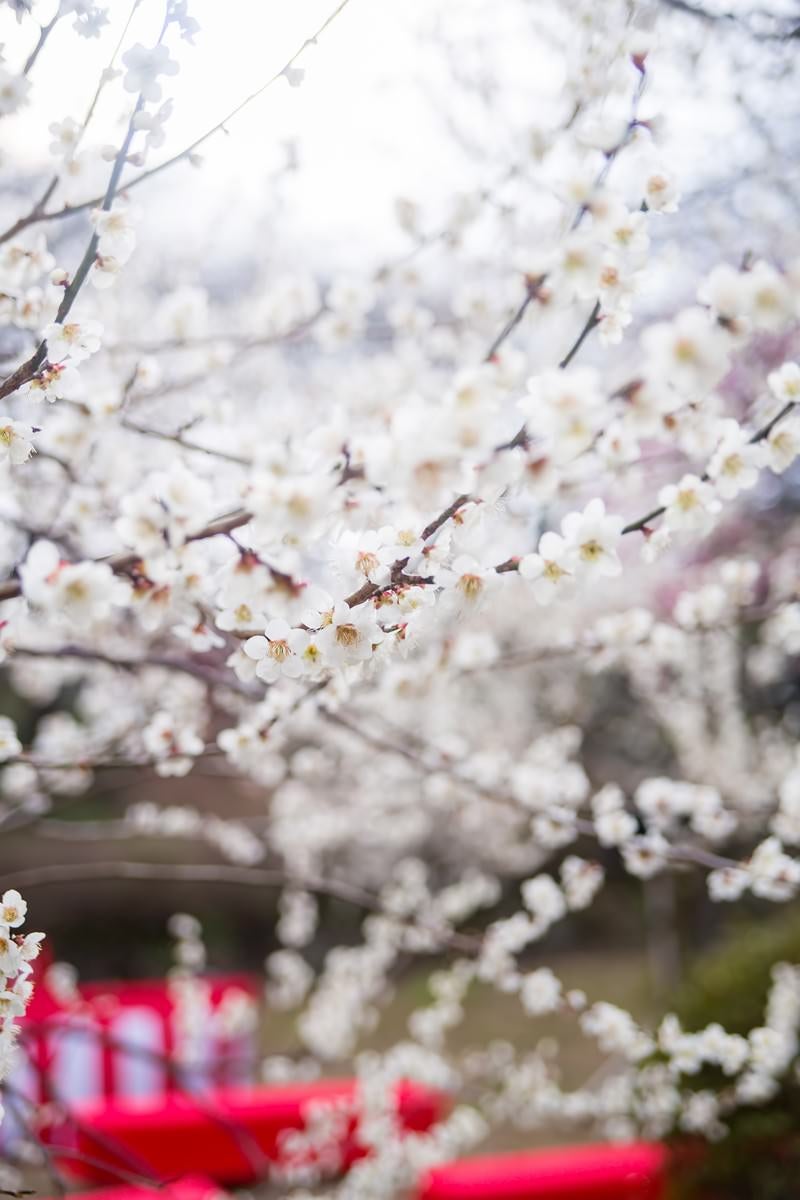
[616, 1172]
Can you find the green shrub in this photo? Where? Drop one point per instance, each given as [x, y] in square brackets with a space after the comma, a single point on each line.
[759, 1158]
[730, 984]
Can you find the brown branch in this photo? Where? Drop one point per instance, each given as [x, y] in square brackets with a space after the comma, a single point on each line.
[436, 760]
[533, 284]
[397, 575]
[592, 321]
[351, 893]
[178, 440]
[243, 342]
[740, 21]
[111, 764]
[120, 563]
[205, 672]
[445, 516]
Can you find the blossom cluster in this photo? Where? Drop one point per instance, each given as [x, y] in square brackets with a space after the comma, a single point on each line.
[17, 953]
[196, 1017]
[445, 574]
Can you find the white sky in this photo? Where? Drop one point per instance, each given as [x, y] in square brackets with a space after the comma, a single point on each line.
[370, 119]
[360, 77]
[351, 116]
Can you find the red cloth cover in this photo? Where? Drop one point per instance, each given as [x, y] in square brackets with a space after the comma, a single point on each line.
[615, 1172]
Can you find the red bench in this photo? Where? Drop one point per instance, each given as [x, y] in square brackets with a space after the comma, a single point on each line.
[230, 1134]
[603, 1172]
[118, 1038]
[190, 1187]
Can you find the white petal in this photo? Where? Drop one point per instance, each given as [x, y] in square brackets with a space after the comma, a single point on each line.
[256, 647]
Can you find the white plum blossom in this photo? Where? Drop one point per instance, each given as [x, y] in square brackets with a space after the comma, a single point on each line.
[645, 854]
[56, 381]
[773, 874]
[615, 1031]
[65, 134]
[782, 445]
[661, 193]
[14, 91]
[116, 239]
[623, 231]
[612, 326]
[104, 272]
[10, 745]
[348, 635]
[581, 880]
[735, 463]
[144, 65]
[10, 957]
[364, 555]
[274, 651]
[351, 294]
[27, 259]
[615, 827]
[577, 266]
[12, 908]
[691, 504]
[544, 898]
[142, 523]
[592, 538]
[771, 303]
[241, 618]
[728, 883]
[725, 291]
[467, 582]
[73, 342]
[173, 746]
[550, 568]
[568, 407]
[82, 594]
[17, 953]
[691, 351]
[152, 124]
[784, 383]
[90, 18]
[309, 648]
[16, 441]
[702, 609]
[540, 992]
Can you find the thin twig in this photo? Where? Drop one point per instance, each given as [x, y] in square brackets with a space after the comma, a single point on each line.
[205, 672]
[44, 34]
[534, 284]
[592, 321]
[178, 440]
[761, 435]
